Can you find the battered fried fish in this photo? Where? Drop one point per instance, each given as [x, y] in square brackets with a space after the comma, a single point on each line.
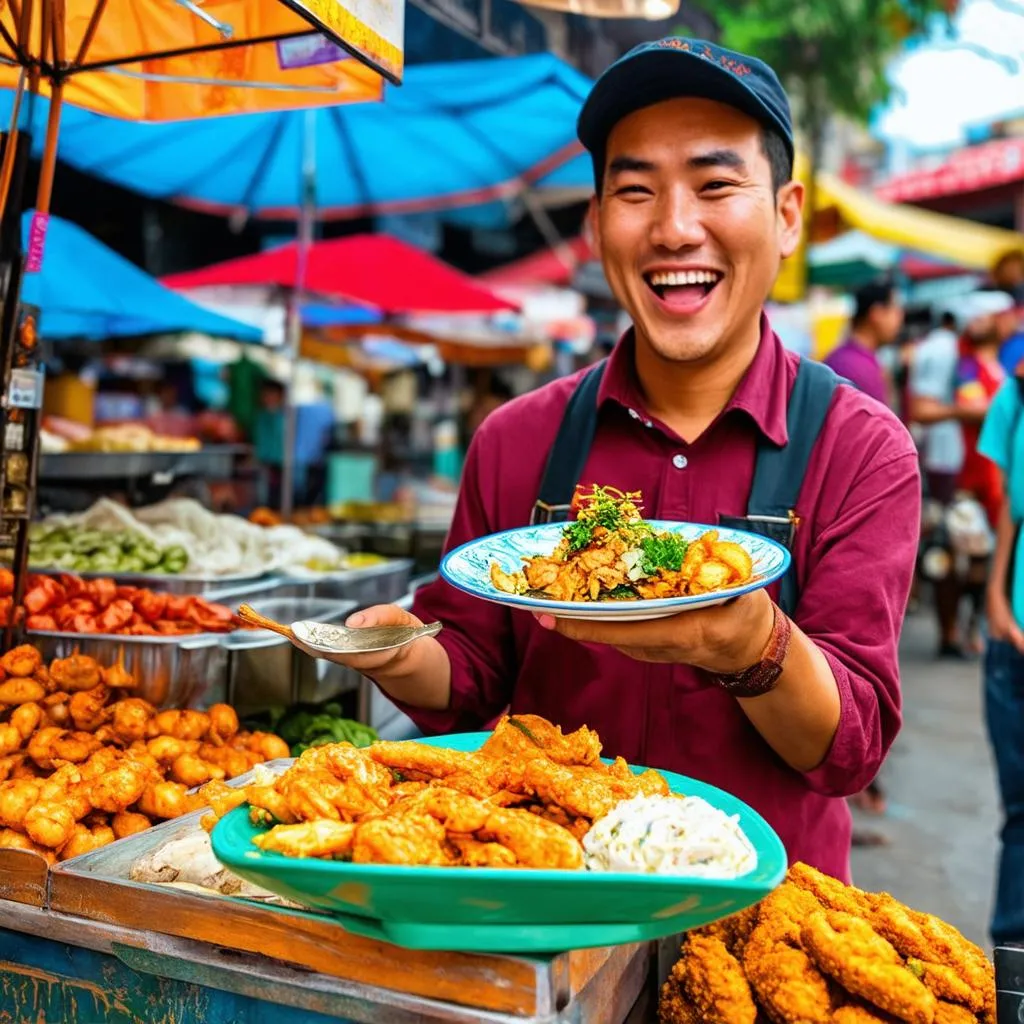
[715, 983]
[847, 949]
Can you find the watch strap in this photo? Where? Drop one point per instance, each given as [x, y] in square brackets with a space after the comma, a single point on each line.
[762, 677]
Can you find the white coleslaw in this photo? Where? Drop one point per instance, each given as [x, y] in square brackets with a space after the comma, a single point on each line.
[677, 835]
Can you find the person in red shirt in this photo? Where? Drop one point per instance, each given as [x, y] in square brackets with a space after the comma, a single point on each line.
[700, 408]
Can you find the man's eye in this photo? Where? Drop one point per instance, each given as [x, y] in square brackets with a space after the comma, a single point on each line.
[632, 190]
[717, 185]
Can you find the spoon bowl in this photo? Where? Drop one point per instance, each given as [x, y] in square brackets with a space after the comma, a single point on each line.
[328, 638]
[332, 639]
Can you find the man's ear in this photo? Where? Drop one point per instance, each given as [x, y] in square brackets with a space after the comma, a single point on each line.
[789, 204]
[594, 225]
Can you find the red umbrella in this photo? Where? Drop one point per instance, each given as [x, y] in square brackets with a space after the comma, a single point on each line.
[375, 270]
[544, 267]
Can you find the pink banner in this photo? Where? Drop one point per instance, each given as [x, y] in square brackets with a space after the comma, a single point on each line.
[36, 242]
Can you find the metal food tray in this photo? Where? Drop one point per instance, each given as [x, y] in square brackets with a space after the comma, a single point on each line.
[211, 461]
[367, 585]
[213, 588]
[169, 671]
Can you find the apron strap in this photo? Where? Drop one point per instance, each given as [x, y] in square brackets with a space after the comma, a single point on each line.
[779, 471]
[569, 453]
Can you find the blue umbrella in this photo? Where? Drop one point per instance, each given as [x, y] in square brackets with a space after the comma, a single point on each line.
[85, 290]
[452, 135]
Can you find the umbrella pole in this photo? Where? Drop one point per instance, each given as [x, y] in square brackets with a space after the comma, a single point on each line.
[307, 215]
[10, 149]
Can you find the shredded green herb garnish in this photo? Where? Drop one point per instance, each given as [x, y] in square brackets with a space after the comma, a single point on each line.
[396, 775]
[662, 551]
[607, 508]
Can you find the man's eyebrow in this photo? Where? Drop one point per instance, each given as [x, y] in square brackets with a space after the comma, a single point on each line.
[624, 164]
[718, 158]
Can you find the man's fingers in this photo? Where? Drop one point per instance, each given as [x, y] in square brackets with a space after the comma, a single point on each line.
[382, 615]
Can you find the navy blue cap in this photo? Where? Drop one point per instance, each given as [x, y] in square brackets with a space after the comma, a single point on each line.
[674, 67]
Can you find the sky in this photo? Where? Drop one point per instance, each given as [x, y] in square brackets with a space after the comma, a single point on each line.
[939, 90]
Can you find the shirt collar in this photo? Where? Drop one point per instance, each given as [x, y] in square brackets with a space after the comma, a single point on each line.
[763, 392]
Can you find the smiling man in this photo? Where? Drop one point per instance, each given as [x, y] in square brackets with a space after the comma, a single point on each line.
[788, 697]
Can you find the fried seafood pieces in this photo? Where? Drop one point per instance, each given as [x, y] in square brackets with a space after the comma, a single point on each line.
[525, 799]
[816, 951]
[82, 763]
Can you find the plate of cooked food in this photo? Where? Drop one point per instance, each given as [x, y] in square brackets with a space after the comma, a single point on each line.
[611, 564]
[520, 840]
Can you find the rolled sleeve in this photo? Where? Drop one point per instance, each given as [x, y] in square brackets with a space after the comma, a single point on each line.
[477, 635]
[852, 607]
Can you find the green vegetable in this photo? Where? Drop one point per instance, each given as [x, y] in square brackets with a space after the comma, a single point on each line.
[524, 729]
[662, 551]
[622, 593]
[607, 508]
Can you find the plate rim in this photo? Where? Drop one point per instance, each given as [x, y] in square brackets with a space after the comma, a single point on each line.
[584, 609]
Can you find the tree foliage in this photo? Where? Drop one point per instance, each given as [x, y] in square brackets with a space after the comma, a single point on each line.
[830, 54]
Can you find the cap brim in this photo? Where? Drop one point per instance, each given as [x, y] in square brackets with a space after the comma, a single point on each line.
[657, 75]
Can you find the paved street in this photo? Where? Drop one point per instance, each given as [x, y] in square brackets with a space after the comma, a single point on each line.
[944, 817]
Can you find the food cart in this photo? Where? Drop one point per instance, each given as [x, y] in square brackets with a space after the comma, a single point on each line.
[82, 942]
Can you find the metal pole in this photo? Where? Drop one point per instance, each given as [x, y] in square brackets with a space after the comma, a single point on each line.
[307, 215]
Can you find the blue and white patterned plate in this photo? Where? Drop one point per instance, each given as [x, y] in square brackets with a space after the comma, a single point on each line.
[469, 568]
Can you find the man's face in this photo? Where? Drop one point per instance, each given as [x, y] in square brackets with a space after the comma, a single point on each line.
[688, 226]
[887, 320]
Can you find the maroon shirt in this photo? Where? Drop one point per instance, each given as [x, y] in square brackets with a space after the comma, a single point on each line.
[854, 555]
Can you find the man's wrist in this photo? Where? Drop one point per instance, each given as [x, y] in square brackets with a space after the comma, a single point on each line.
[757, 637]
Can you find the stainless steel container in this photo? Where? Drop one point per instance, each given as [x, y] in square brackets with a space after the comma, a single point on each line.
[169, 671]
[366, 586]
[265, 669]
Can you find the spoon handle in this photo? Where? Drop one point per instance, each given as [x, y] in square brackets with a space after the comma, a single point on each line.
[248, 614]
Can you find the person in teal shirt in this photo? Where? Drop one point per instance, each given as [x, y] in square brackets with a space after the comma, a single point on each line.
[1002, 441]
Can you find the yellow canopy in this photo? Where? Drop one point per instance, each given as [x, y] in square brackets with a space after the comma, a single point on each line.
[183, 67]
[963, 242]
[960, 241]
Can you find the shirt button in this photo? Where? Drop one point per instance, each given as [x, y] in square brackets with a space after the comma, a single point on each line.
[679, 461]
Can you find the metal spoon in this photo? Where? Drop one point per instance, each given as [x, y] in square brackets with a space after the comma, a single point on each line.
[332, 639]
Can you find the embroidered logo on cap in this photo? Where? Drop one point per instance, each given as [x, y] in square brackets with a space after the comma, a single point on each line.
[705, 53]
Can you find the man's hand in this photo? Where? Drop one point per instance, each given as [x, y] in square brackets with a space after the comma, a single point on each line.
[725, 638]
[419, 673]
[1001, 623]
[379, 661]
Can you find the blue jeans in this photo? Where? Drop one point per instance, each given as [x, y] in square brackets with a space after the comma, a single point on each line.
[1004, 714]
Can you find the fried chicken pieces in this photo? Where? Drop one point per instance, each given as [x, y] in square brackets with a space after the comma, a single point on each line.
[816, 951]
[525, 799]
[83, 763]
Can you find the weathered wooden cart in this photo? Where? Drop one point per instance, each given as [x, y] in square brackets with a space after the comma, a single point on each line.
[82, 943]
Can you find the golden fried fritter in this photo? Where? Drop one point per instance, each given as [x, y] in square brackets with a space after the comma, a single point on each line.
[945, 983]
[535, 842]
[924, 937]
[673, 1006]
[828, 891]
[847, 949]
[786, 981]
[952, 1013]
[309, 839]
[714, 981]
[410, 839]
[519, 736]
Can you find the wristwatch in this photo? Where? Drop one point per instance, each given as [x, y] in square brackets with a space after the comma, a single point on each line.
[762, 677]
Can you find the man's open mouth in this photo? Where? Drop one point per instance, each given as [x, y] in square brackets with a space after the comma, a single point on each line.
[682, 286]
